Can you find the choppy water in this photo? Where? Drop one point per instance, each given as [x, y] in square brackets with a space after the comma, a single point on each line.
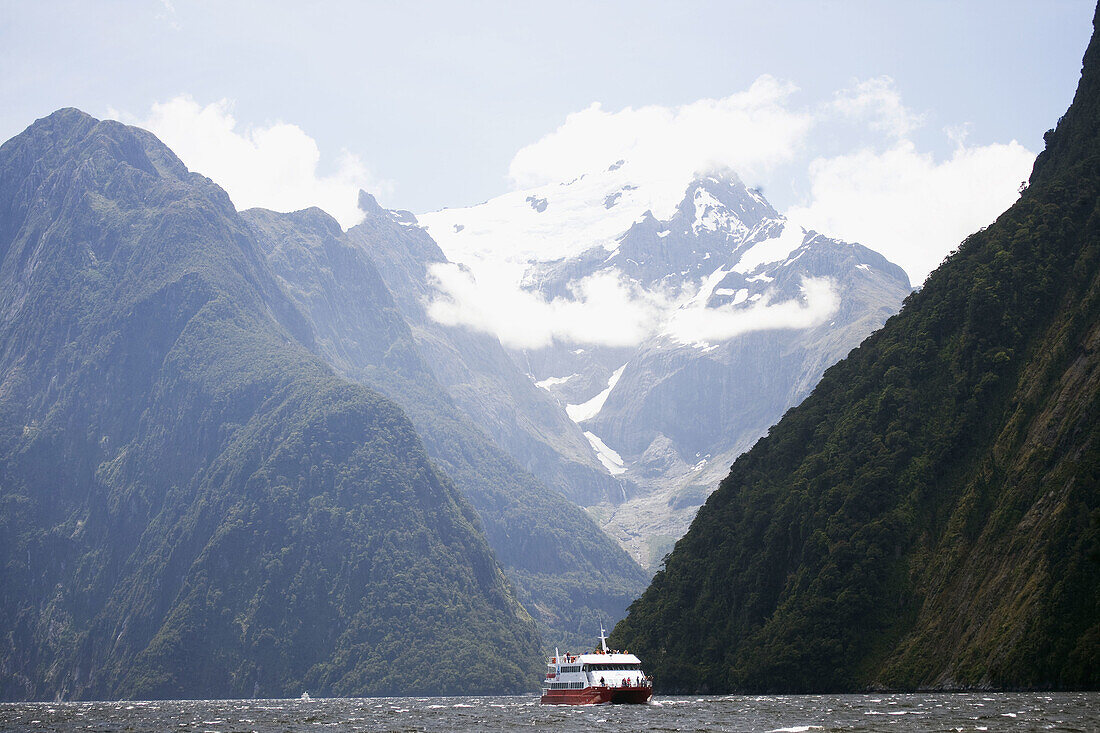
[786, 713]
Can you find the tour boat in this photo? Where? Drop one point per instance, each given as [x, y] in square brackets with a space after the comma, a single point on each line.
[600, 677]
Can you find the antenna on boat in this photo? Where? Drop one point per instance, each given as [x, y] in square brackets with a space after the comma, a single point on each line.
[603, 638]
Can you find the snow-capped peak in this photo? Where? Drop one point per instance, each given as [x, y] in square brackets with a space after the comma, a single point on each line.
[712, 216]
[609, 259]
[561, 220]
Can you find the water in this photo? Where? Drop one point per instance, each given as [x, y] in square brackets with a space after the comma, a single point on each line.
[787, 713]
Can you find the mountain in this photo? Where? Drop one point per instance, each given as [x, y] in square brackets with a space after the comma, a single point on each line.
[752, 308]
[193, 503]
[929, 517]
[474, 368]
[567, 572]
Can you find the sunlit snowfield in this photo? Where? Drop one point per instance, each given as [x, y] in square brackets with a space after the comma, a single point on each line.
[913, 712]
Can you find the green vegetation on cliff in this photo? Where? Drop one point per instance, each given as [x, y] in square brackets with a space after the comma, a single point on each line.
[930, 515]
[191, 503]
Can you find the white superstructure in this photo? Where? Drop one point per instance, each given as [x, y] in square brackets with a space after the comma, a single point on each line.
[610, 669]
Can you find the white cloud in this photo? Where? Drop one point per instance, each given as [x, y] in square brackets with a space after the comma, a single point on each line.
[907, 205]
[604, 308]
[700, 325]
[877, 102]
[168, 14]
[274, 166]
[608, 309]
[749, 131]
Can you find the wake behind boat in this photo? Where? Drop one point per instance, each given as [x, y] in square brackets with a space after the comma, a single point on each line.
[600, 677]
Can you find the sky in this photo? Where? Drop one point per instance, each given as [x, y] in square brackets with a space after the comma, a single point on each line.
[904, 126]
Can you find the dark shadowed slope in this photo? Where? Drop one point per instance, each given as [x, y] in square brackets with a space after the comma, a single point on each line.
[568, 573]
[191, 503]
[930, 515]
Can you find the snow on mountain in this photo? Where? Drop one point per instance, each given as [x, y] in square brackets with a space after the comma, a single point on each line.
[552, 221]
[608, 457]
[590, 408]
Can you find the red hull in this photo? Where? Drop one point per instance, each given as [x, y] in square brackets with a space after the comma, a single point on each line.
[597, 696]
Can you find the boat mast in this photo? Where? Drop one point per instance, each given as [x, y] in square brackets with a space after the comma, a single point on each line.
[603, 639]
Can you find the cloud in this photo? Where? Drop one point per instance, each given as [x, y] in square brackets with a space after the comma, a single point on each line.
[697, 324]
[607, 309]
[604, 308]
[168, 14]
[274, 166]
[907, 205]
[877, 102]
[749, 131]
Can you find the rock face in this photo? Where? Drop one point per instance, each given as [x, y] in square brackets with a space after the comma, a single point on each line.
[567, 571]
[193, 503]
[930, 515]
[753, 309]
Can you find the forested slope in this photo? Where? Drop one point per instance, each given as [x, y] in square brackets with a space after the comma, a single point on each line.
[191, 503]
[930, 515]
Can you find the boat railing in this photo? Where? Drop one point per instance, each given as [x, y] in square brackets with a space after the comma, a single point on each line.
[631, 682]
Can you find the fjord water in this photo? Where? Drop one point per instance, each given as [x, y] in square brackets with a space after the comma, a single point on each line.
[1063, 711]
